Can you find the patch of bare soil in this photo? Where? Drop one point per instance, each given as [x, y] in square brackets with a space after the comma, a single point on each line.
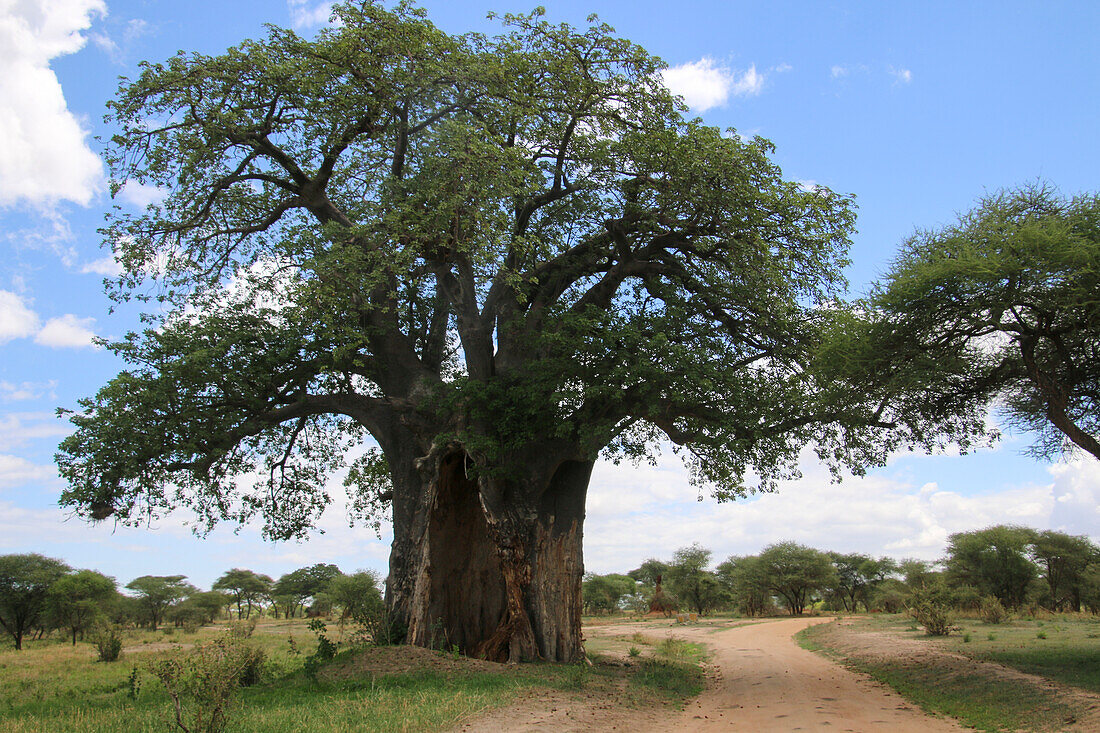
[884, 646]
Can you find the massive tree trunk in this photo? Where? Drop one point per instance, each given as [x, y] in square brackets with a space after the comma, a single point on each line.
[488, 565]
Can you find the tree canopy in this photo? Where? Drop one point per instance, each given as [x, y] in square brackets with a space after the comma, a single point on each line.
[388, 222]
[499, 257]
[1003, 308]
[25, 582]
[155, 593]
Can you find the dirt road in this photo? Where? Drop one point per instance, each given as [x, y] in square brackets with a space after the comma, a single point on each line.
[766, 682]
[760, 681]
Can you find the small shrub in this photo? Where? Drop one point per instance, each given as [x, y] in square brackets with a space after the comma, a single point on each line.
[133, 683]
[930, 612]
[253, 666]
[991, 636]
[108, 643]
[378, 627]
[242, 629]
[326, 648]
[201, 684]
[1041, 635]
[966, 638]
[634, 651]
[992, 611]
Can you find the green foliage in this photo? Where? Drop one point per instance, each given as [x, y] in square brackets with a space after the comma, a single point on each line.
[299, 586]
[604, 593]
[245, 587]
[155, 593]
[25, 582]
[796, 573]
[694, 586]
[201, 683]
[78, 600]
[992, 611]
[748, 585]
[1001, 309]
[993, 560]
[107, 640]
[928, 607]
[358, 595]
[496, 241]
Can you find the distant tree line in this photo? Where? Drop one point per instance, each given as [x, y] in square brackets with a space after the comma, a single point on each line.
[40, 596]
[1022, 568]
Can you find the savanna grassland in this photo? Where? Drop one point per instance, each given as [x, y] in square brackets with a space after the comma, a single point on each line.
[54, 686]
[1037, 672]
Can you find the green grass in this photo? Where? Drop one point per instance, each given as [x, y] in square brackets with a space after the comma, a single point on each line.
[52, 687]
[1068, 650]
[981, 699]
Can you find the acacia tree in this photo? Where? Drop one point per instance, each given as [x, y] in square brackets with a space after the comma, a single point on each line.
[246, 588]
[25, 582]
[1064, 559]
[796, 573]
[78, 600]
[993, 560]
[1001, 309]
[155, 593]
[497, 257]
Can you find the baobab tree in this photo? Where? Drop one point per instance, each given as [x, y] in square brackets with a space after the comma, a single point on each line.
[497, 258]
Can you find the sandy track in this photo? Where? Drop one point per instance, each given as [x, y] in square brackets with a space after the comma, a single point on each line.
[766, 682]
[759, 680]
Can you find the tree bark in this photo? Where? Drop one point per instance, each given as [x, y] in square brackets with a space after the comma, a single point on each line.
[488, 566]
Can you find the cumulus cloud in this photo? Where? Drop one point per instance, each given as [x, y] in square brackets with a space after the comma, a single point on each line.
[45, 158]
[67, 332]
[705, 84]
[308, 13]
[16, 319]
[635, 513]
[838, 71]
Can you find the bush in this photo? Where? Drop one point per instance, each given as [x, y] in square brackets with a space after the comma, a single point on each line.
[378, 627]
[108, 643]
[242, 629]
[992, 611]
[928, 610]
[201, 683]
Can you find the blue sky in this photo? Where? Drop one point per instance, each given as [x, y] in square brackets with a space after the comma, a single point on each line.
[916, 108]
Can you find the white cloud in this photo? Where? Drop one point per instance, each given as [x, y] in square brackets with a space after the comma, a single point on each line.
[704, 84]
[838, 71]
[902, 76]
[141, 194]
[1076, 492]
[17, 428]
[107, 266]
[307, 14]
[16, 319]
[118, 53]
[16, 470]
[10, 392]
[635, 513]
[45, 158]
[67, 331]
